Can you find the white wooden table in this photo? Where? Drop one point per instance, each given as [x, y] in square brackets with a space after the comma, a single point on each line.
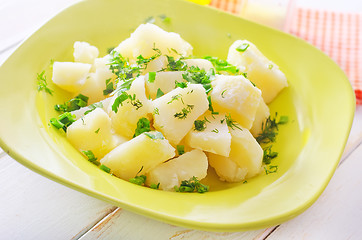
[34, 207]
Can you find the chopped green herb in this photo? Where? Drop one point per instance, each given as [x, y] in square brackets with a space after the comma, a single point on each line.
[215, 130]
[159, 93]
[119, 101]
[89, 154]
[268, 155]
[94, 106]
[110, 49]
[270, 66]
[192, 185]
[180, 149]
[231, 123]
[199, 125]
[155, 186]
[143, 125]
[242, 47]
[105, 168]
[222, 65]
[183, 114]
[63, 121]
[73, 104]
[150, 19]
[271, 169]
[175, 97]
[156, 111]
[97, 131]
[269, 129]
[154, 135]
[139, 180]
[165, 19]
[211, 109]
[151, 77]
[42, 83]
[175, 65]
[222, 94]
[180, 84]
[109, 87]
[199, 76]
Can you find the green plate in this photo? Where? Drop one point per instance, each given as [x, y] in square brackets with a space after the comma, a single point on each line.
[320, 104]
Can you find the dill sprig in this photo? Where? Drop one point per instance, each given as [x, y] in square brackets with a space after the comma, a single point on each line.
[270, 129]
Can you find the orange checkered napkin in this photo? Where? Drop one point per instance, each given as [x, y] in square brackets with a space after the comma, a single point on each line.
[337, 34]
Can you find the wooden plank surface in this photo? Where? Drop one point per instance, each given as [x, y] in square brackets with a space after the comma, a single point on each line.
[337, 214]
[34, 207]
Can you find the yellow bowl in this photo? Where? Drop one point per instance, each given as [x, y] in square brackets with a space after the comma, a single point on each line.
[319, 102]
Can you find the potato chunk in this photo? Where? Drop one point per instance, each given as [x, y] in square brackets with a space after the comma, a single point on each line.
[165, 81]
[261, 71]
[176, 111]
[173, 172]
[142, 152]
[237, 96]
[148, 36]
[227, 169]
[92, 132]
[130, 111]
[215, 138]
[84, 52]
[245, 152]
[70, 76]
[200, 63]
[262, 113]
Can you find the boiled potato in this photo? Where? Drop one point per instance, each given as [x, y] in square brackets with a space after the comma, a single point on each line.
[70, 76]
[245, 152]
[173, 172]
[165, 81]
[146, 37]
[142, 152]
[129, 112]
[176, 111]
[156, 65]
[227, 169]
[215, 138]
[237, 96]
[84, 52]
[262, 113]
[265, 74]
[200, 63]
[92, 132]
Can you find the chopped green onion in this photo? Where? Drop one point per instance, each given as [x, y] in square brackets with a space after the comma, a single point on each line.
[242, 47]
[143, 125]
[105, 168]
[151, 77]
[159, 93]
[139, 180]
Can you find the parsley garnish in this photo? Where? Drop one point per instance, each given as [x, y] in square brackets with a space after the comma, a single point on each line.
[93, 106]
[139, 180]
[97, 131]
[242, 47]
[90, 155]
[156, 111]
[183, 114]
[200, 76]
[154, 135]
[175, 97]
[42, 83]
[175, 65]
[199, 125]
[159, 93]
[143, 125]
[155, 186]
[123, 97]
[231, 123]
[180, 84]
[192, 185]
[222, 65]
[105, 168]
[269, 155]
[73, 104]
[180, 149]
[270, 128]
[151, 77]
[109, 87]
[211, 109]
[63, 121]
[215, 130]
[271, 169]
